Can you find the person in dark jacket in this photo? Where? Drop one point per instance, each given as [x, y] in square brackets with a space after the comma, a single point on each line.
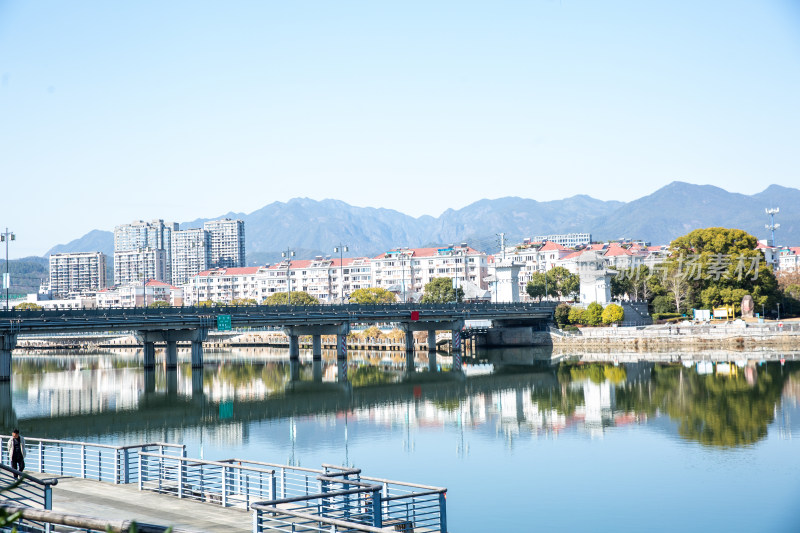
[16, 450]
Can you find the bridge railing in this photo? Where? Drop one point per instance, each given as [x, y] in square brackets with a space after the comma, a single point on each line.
[101, 462]
[26, 491]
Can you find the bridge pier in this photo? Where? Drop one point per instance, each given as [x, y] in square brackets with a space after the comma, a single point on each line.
[316, 347]
[172, 354]
[197, 382]
[409, 345]
[341, 356]
[7, 344]
[456, 349]
[294, 369]
[294, 347]
[149, 379]
[172, 381]
[7, 417]
[149, 351]
[316, 370]
[197, 354]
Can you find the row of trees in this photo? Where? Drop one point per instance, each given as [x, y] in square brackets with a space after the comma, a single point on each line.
[558, 282]
[593, 315]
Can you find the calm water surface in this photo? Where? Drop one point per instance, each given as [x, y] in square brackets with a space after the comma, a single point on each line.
[581, 446]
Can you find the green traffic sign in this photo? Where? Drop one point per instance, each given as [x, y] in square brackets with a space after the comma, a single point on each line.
[224, 322]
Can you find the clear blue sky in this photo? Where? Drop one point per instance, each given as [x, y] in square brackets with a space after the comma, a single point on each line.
[114, 111]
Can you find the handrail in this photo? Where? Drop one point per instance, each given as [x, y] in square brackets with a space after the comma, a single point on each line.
[193, 461]
[350, 526]
[85, 522]
[49, 482]
[404, 483]
[277, 465]
[98, 445]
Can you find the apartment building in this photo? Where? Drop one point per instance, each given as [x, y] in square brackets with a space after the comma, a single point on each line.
[77, 273]
[789, 259]
[132, 266]
[137, 295]
[190, 254]
[225, 285]
[152, 242]
[570, 240]
[408, 270]
[226, 243]
[324, 278]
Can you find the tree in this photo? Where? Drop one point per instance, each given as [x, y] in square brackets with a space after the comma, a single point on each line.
[594, 314]
[441, 291]
[561, 314]
[613, 314]
[30, 306]
[297, 298]
[244, 301]
[565, 282]
[158, 303]
[537, 285]
[663, 304]
[724, 260]
[372, 296]
[205, 303]
[677, 287]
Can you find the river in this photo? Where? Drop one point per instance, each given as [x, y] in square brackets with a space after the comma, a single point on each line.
[626, 444]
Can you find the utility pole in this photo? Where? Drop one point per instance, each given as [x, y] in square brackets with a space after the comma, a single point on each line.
[288, 254]
[7, 236]
[341, 249]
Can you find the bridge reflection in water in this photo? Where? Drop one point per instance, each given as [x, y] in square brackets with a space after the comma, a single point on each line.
[507, 392]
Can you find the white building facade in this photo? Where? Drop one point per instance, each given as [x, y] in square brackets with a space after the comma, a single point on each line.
[226, 243]
[148, 242]
[190, 254]
[77, 272]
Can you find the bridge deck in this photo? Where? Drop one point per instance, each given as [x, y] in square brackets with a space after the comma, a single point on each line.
[126, 502]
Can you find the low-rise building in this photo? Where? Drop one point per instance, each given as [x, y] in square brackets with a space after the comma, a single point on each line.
[138, 295]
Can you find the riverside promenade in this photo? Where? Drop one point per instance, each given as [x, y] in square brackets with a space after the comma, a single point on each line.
[89, 486]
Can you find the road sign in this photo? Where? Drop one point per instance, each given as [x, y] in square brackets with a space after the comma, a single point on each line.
[224, 322]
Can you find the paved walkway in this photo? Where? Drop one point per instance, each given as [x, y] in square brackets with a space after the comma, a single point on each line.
[126, 502]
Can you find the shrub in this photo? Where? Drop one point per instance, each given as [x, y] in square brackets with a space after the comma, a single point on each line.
[594, 314]
[577, 315]
[613, 314]
[561, 314]
[663, 304]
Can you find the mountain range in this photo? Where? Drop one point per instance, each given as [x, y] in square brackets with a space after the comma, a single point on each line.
[312, 227]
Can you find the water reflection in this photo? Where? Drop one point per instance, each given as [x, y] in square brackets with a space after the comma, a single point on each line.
[504, 394]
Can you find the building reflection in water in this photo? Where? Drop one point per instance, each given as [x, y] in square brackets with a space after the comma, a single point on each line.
[718, 405]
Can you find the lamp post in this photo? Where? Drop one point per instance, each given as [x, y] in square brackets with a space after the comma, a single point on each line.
[5, 237]
[288, 254]
[341, 249]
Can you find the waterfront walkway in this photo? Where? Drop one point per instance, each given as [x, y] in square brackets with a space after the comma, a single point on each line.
[126, 502]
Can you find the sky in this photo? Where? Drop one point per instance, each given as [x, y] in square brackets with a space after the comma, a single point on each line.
[115, 111]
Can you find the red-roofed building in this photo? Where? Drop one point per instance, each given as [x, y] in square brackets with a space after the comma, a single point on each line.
[135, 295]
[789, 259]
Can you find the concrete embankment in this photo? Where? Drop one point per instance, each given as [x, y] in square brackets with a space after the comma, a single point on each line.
[684, 337]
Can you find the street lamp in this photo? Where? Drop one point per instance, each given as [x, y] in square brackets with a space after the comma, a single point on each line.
[5, 237]
[288, 254]
[341, 249]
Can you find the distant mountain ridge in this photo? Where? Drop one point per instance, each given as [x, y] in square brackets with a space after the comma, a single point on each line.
[313, 227]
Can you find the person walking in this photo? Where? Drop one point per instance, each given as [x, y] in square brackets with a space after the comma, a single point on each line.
[16, 450]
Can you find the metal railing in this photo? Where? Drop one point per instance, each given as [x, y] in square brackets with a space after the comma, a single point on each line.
[27, 490]
[101, 462]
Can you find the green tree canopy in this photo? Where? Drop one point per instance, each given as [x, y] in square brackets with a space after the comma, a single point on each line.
[539, 287]
[158, 303]
[441, 291]
[566, 283]
[577, 315]
[561, 314]
[205, 303]
[29, 306]
[718, 266]
[297, 298]
[244, 301]
[372, 296]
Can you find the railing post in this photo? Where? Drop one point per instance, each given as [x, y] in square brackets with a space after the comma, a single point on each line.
[377, 511]
[443, 512]
[116, 466]
[257, 521]
[224, 486]
[126, 475]
[48, 497]
[61, 461]
[273, 486]
[41, 456]
[180, 478]
[141, 472]
[83, 461]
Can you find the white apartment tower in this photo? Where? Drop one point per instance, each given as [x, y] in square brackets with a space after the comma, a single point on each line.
[143, 250]
[227, 243]
[77, 272]
[190, 254]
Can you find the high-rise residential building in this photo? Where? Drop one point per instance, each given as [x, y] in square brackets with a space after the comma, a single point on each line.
[227, 243]
[77, 272]
[190, 254]
[148, 238]
[137, 266]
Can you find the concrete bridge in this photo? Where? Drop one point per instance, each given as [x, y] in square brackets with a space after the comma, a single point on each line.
[170, 325]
